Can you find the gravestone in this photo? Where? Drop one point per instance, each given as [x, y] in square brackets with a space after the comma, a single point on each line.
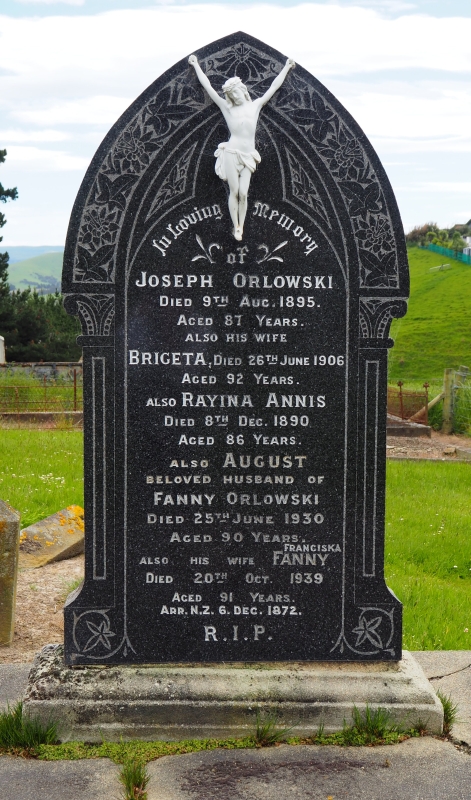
[235, 338]
[9, 544]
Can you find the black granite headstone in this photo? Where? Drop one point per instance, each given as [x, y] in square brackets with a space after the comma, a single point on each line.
[234, 382]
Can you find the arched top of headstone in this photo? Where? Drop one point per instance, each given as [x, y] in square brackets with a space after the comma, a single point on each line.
[329, 170]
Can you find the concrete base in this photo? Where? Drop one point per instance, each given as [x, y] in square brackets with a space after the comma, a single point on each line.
[395, 426]
[173, 702]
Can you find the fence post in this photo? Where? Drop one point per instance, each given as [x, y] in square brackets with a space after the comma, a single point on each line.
[448, 381]
[401, 402]
[9, 552]
[426, 386]
[75, 390]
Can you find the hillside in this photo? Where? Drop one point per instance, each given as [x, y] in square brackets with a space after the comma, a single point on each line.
[436, 332]
[41, 272]
[22, 252]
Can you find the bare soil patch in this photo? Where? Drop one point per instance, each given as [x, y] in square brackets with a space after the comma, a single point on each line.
[438, 447]
[39, 601]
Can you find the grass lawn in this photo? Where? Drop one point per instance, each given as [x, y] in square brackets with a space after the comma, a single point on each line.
[436, 332]
[428, 542]
[428, 551]
[41, 472]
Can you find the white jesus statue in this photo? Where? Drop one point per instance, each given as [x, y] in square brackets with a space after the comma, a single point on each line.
[237, 159]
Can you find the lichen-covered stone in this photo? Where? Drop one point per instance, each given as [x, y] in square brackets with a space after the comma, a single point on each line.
[180, 701]
[52, 539]
[9, 540]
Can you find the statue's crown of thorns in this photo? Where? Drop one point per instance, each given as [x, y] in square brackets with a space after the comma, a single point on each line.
[231, 84]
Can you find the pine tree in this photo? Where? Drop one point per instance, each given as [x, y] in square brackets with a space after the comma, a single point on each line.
[5, 194]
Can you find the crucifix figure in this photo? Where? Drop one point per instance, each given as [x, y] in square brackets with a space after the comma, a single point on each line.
[237, 159]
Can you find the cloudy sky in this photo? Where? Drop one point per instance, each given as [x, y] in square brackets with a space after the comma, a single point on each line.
[69, 68]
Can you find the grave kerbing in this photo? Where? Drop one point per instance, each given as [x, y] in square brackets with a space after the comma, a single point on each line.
[234, 390]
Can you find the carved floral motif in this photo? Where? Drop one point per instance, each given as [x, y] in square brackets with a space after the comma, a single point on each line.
[133, 152]
[376, 315]
[93, 635]
[372, 634]
[175, 104]
[95, 311]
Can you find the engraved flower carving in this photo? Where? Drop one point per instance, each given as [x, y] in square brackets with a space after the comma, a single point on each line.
[367, 630]
[101, 634]
[243, 61]
[376, 236]
[99, 227]
[345, 155]
[133, 149]
[362, 199]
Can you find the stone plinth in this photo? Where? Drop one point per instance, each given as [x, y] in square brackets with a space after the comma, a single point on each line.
[9, 542]
[173, 702]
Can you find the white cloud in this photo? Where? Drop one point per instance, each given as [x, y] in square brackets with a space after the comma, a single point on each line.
[52, 2]
[87, 111]
[39, 160]
[455, 144]
[82, 72]
[15, 136]
[393, 6]
[463, 187]
[326, 39]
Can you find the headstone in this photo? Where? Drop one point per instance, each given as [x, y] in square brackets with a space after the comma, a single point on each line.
[55, 538]
[235, 262]
[9, 542]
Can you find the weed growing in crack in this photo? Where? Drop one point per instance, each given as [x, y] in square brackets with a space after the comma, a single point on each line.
[267, 731]
[450, 712]
[134, 779]
[18, 732]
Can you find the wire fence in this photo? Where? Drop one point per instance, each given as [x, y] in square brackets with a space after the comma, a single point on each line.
[462, 400]
[41, 395]
[446, 251]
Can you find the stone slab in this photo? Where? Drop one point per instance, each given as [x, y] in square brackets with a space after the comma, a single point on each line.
[418, 769]
[54, 538]
[13, 681]
[173, 702]
[464, 453]
[402, 427]
[9, 540]
[450, 672]
[23, 779]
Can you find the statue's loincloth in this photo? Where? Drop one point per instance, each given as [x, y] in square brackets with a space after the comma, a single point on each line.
[242, 160]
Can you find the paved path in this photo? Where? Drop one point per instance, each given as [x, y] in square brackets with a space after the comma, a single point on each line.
[419, 769]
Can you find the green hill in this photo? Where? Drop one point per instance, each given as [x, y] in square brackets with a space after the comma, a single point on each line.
[41, 272]
[436, 332]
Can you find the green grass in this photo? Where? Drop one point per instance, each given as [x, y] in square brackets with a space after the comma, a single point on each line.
[428, 552]
[372, 727]
[20, 733]
[436, 332]
[41, 472]
[134, 779]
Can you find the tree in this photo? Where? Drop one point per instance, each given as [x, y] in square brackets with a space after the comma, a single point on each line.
[5, 194]
[36, 327]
